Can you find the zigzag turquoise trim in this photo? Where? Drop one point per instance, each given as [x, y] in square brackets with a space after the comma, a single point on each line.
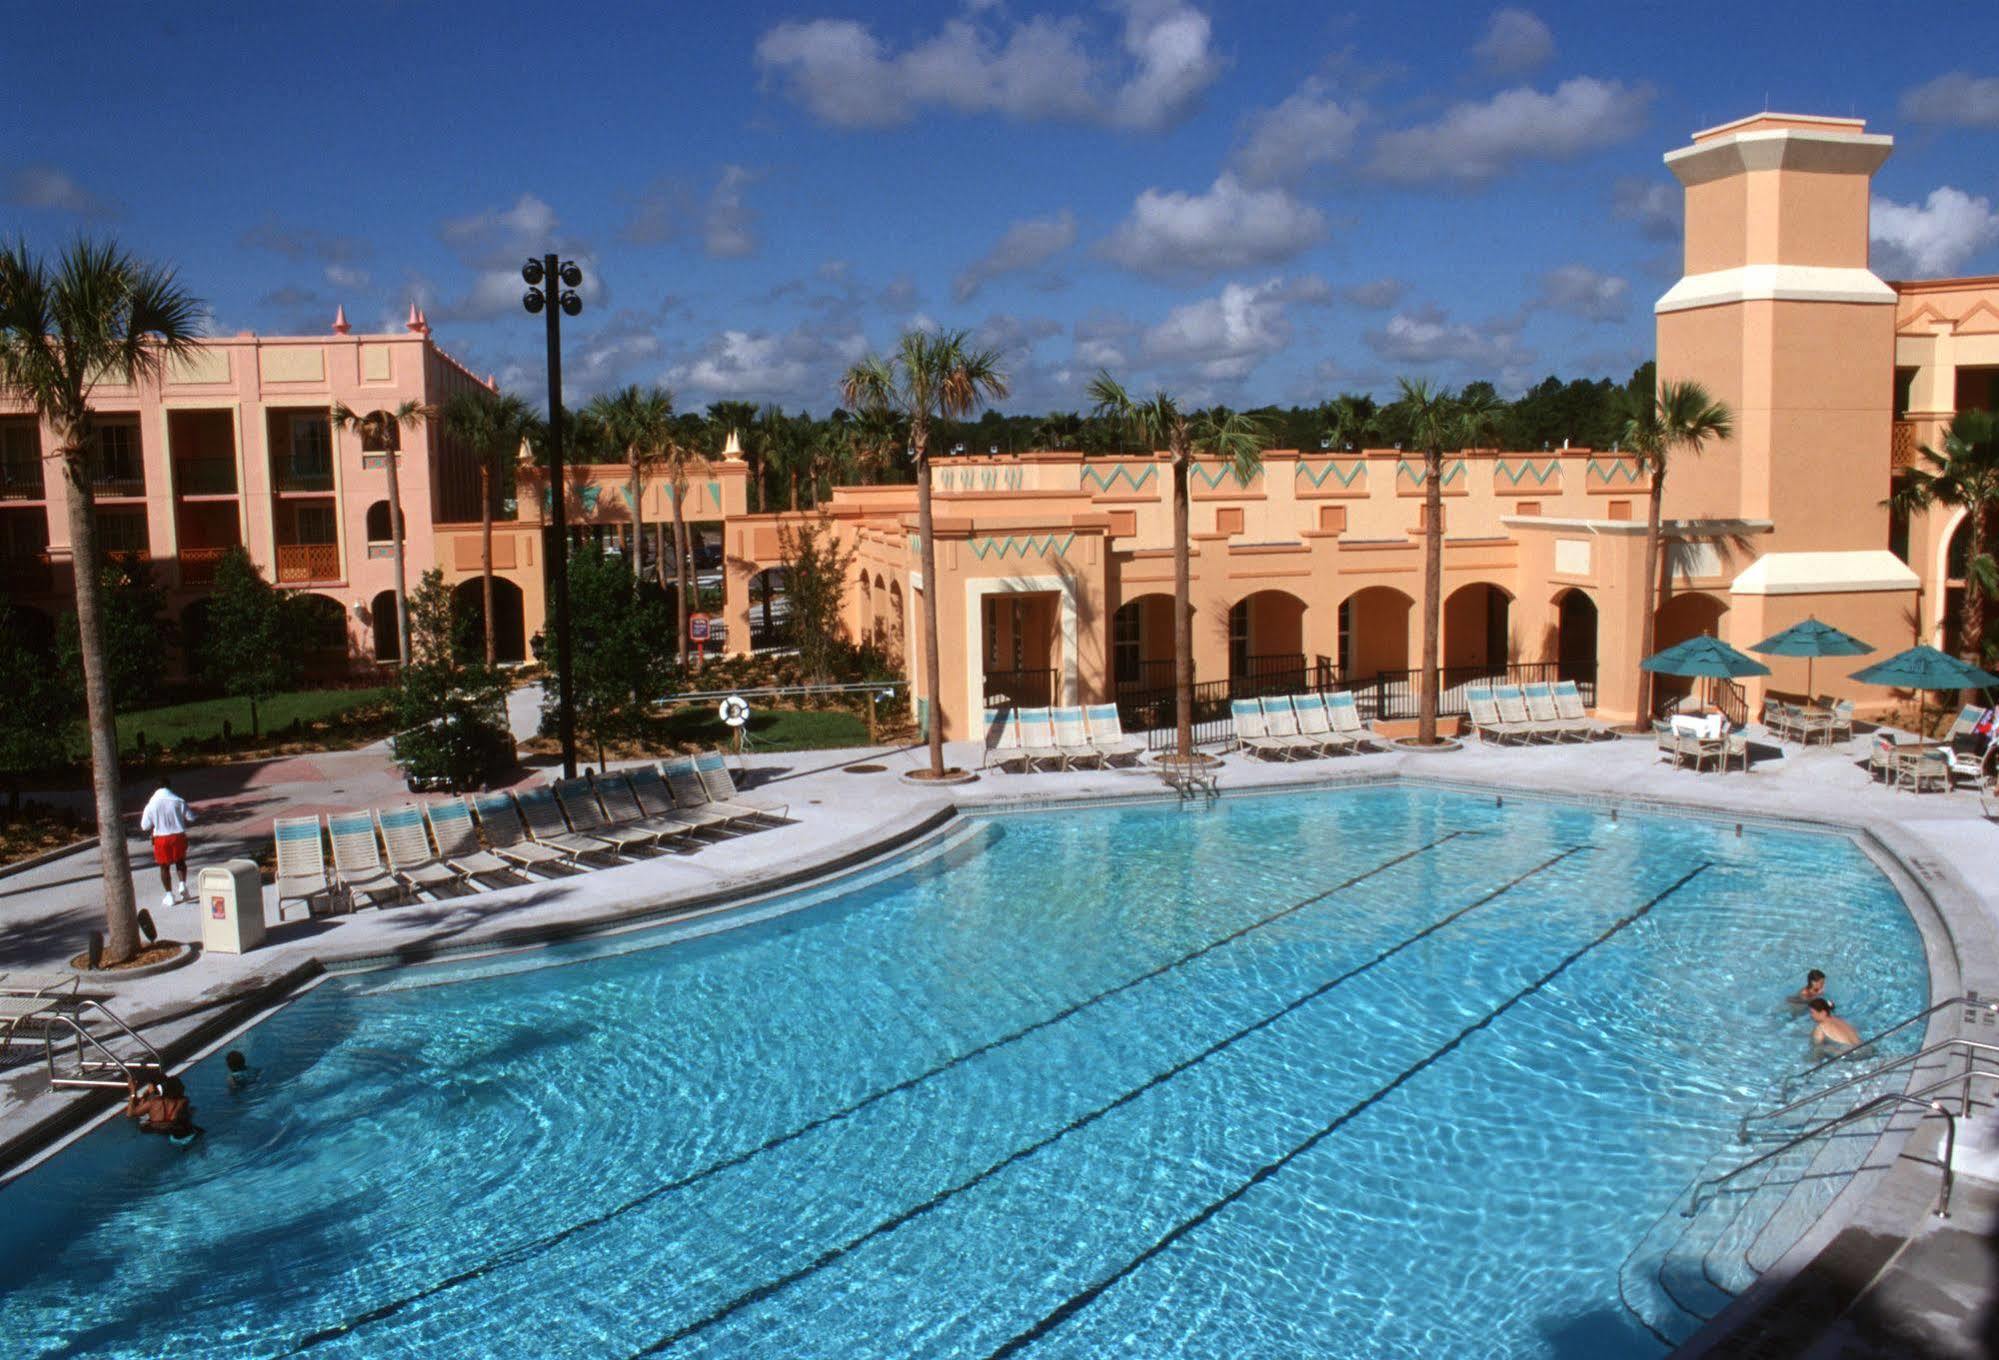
[1223, 472]
[1542, 475]
[1033, 545]
[587, 497]
[1121, 473]
[1415, 473]
[1621, 469]
[1332, 469]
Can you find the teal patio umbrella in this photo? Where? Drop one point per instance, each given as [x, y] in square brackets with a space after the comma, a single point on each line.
[1705, 658]
[1810, 639]
[1924, 669]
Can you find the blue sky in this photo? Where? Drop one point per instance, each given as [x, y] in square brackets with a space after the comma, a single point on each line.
[1246, 202]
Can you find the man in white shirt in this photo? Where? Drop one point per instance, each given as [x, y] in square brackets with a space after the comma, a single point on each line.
[166, 818]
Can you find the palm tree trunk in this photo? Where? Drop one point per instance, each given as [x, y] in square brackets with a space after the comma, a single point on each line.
[389, 460]
[1648, 594]
[638, 520]
[931, 668]
[1971, 617]
[1433, 587]
[1183, 617]
[486, 553]
[680, 571]
[791, 476]
[121, 918]
[659, 554]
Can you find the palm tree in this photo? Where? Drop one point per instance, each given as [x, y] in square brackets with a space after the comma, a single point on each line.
[877, 434]
[1679, 416]
[928, 377]
[1964, 476]
[493, 428]
[1348, 419]
[680, 457]
[639, 423]
[1433, 419]
[384, 430]
[1238, 441]
[99, 315]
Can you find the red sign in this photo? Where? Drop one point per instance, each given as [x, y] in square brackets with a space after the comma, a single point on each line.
[697, 627]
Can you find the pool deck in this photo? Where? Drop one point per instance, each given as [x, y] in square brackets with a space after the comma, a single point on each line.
[1921, 1282]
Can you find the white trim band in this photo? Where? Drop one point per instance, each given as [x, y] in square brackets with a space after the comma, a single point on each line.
[1776, 283]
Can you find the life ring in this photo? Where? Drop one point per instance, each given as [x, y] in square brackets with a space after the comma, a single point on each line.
[734, 710]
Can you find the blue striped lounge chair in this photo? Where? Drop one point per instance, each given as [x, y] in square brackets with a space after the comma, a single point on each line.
[1280, 721]
[1345, 713]
[1037, 739]
[1253, 736]
[1107, 735]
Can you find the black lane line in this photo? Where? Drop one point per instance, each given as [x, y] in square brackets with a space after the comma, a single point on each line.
[517, 1254]
[889, 1225]
[1076, 1303]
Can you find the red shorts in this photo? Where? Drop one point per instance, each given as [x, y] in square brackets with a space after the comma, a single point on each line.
[170, 849]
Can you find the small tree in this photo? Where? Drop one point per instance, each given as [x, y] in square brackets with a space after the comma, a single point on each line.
[254, 634]
[452, 715]
[38, 723]
[623, 648]
[815, 574]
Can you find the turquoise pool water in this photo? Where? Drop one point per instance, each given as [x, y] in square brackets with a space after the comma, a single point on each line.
[1389, 1071]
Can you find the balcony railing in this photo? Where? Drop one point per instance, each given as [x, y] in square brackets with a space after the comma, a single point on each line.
[197, 565]
[104, 483]
[1032, 688]
[1902, 450]
[308, 562]
[205, 476]
[21, 482]
[285, 477]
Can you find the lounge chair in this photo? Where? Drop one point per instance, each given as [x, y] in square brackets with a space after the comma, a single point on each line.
[1928, 770]
[1541, 710]
[1037, 739]
[1569, 704]
[1345, 715]
[1513, 709]
[458, 842]
[302, 875]
[1483, 711]
[508, 835]
[1251, 734]
[1965, 766]
[545, 823]
[1316, 724]
[621, 805]
[1964, 724]
[725, 797]
[690, 795]
[1107, 735]
[357, 859]
[1002, 740]
[1280, 721]
[1881, 758]
[657, 800]
[408, 844]
[1072, 738]
[1842, 720]
[586, 817]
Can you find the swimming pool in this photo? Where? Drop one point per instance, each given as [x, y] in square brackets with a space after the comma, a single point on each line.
[1389, 1070]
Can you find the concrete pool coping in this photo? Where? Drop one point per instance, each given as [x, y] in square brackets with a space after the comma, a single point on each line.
[1931, 848]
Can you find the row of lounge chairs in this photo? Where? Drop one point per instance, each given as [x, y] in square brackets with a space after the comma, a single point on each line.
[1077, 737]
[558, 827]
[1291, 726]
[1537, 712]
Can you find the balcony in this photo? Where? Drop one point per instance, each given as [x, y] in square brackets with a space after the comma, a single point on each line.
[21, 482]
[197, 565]
[299, 562]
[309, 477]
[109, 483]
[1902, 450]
[206, 476]
[26, 575]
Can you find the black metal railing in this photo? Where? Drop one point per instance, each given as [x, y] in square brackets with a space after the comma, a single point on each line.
[205, 475]
[1399, 694]
[1151, 712]
[1031, 688]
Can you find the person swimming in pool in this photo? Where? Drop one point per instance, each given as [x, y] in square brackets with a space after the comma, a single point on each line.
[1813, 989]
[241, 1074]
[1830, 1034]
[160, 1105]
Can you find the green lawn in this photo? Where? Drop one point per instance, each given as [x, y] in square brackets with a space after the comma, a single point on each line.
[778, 730]
[176, 724]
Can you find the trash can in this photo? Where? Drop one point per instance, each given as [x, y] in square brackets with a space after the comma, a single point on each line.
[230, 897]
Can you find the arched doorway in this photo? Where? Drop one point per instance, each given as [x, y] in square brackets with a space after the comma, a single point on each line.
[1266, 635]
[468, 607]
[1142, 643]
[1575, 638]
[382, 615]
[1374, 633]
[1957, 556]
[1688, 615]
[768, 610]
[323, 629]
[1476, 628]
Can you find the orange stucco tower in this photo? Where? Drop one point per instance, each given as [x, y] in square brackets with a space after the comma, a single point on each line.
[1778, 315]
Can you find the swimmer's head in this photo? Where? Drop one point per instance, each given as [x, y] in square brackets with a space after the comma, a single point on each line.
[1814, 977]
[1820, 1006]
[234, 1061]
[171, 1088]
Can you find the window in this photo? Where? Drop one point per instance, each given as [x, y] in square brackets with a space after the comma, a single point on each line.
[1239, 639]
[1125, 644]
[311, 445]
[21, 458]
[378, 522]
[992, 635]
[1905, 381]
[121, 532]
[315, 524]
[119, 461]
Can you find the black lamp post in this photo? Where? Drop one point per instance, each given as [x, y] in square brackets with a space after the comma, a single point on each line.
[551, 291]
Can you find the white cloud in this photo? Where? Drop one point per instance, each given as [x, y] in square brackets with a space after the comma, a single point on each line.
[1230, 226]
[1515, 43]
[1427, 336]
[530, 218]
[1033, 69]
[1027, 244]
[1581, 291]
[1957, 99]
[1654, 207]
[727, 229]
[799, 367]
[1375, 294]
[1476, 142]
[1307, 130]
[1225, 336]
[45, 187]
[494, 244]
[1935, 238]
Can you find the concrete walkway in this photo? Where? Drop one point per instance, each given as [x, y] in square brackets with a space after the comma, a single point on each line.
[1939, 849]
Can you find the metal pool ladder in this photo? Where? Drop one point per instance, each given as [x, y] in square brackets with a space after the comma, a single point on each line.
[88, 1060]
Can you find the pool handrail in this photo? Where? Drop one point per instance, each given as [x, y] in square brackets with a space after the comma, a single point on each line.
[1862, 1111]
[1969, 1047]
